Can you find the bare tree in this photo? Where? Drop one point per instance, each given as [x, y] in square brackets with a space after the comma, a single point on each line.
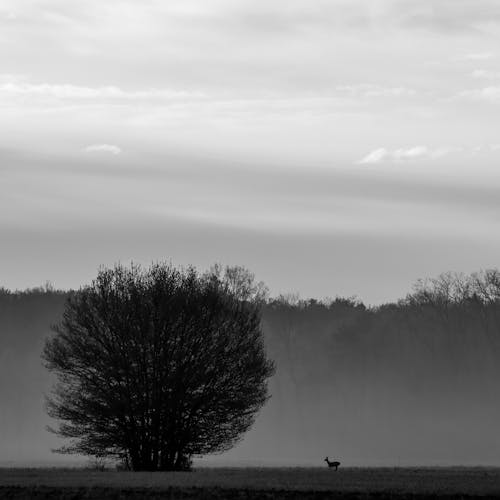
[157, 365]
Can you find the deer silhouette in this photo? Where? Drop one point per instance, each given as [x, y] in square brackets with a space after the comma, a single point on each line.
[333, 464]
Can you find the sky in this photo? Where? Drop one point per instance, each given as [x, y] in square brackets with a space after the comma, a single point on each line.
[333, 147]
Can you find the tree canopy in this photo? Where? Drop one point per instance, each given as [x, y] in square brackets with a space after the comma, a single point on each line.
[157, 365]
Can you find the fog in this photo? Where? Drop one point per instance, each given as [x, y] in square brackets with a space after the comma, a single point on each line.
[414, 382]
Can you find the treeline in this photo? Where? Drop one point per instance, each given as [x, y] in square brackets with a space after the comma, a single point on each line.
[446, 331]
[414, 381]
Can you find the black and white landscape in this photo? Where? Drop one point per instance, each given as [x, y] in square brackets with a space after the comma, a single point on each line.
[337, 161]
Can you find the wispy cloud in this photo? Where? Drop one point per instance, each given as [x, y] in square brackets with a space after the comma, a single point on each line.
[382, 155]
[370, 90]
[476, 56]
[485, 148]
[376, 156]
[14, 85]
[103, 148]
[486, 74]
[405, 154]
[490, 94]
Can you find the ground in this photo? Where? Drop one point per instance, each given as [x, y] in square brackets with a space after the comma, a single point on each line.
[253, 483]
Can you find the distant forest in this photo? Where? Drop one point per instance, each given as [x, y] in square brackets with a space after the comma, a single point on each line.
[412, 382]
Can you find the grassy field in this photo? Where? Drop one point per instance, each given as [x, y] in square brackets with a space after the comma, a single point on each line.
[253, 483]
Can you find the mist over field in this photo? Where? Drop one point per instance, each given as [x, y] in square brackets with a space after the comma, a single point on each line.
[407, 383]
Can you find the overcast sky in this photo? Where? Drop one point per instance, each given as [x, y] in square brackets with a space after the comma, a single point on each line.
[333, 147]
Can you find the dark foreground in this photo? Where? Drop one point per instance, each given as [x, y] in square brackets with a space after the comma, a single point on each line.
[253, 483]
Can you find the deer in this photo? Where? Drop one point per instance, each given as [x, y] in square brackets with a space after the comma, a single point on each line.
[333, 464]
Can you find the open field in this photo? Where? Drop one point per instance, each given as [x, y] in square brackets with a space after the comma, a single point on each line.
[253, 483]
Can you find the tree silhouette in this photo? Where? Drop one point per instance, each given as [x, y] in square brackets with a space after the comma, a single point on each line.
[157, 365]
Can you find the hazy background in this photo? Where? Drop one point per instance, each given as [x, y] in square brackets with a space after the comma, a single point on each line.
[412, 383]
[333, 147]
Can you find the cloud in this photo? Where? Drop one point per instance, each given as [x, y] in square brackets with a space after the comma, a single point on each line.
[414, 153]
[490, 94]
[411, 153]
[485, 148]
[476, 56]
[12, 85]
[11, 78]
[423, 153]
[444, 16]
[376, 156]
[274, 80]
[103, 148]
[486, 74]
[369, 90]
